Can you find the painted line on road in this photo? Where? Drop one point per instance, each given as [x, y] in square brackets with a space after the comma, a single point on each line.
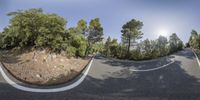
[60, 89]
[146, 70]
[196, 57]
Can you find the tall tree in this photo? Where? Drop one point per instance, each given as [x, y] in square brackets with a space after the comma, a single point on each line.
[162, 45]
[82, 26]
[175, 43]
[193, 41]
[131, 31]
[95, 33]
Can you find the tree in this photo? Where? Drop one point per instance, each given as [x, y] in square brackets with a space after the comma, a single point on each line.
[82, 26]
[111, 47]
[162, 46]
[154, 49]
[76, 40]
[194, 40]
[24, 26]
[131, 32]
[175, 43]
[107, 47]
[147, 47]
[95, 33]
[97, 48]
[1, 43]
[136, 54]
[34, 28]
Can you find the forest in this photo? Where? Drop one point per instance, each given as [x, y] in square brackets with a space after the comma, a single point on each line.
[34, 28]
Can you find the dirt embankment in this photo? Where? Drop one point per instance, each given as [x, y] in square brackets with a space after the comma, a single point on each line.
[40, 67]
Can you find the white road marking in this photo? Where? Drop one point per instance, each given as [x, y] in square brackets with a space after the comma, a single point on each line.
[23, 88]
[196, 58]
[146, 70]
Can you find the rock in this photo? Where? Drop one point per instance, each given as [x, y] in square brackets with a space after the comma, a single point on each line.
[38, 75]
[45, 58]
[63, 53]
[62, 60]
[54, 56]
[49, 57]
[35, 60]
[43, 52]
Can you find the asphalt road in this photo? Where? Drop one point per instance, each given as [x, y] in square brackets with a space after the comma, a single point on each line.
[111, 79]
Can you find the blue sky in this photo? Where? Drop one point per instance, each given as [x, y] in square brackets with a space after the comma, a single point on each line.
[160, 17]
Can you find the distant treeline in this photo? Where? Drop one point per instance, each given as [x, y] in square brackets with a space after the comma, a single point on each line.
[34, 28]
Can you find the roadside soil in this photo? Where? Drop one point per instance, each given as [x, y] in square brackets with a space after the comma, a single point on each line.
[40, 67]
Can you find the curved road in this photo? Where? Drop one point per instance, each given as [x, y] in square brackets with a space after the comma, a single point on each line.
[110, 79]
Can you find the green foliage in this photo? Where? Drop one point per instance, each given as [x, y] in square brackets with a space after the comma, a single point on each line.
[95, 34]
[131, 32]
[1, 43]
[107, 47]
[175, 43]
[194, 40]
[70, 51]
[95, 31]
[136, 54]
[82, 26]
[77, 40]
[121, 51]
[34, 28]
[162, 46]
[97, 48]
[147, 49]
[111, 48]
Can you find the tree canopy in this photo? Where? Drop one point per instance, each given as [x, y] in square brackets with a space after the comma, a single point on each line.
[131, 31]
[34, 28]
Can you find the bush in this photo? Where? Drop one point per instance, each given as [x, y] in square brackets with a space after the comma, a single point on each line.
[70, 51]
[121, 51]
[77, 40]
[136, 55]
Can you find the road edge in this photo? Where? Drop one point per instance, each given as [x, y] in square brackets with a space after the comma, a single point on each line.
[198, 61]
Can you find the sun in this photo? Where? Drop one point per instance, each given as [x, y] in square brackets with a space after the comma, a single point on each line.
[163, 32]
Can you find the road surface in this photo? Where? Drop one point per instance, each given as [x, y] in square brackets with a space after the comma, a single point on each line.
[111, 79]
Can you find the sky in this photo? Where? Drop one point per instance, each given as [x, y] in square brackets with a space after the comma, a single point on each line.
[160, 17]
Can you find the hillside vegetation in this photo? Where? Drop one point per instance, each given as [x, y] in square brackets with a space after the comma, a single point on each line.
[34, 28]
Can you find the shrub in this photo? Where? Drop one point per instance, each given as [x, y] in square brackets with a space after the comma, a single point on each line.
[70, 51]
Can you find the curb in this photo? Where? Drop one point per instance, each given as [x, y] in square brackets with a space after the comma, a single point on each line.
[198, 61]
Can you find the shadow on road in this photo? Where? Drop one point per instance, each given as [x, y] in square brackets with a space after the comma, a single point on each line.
[170, 82]
[185, 53]
[139, 65]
